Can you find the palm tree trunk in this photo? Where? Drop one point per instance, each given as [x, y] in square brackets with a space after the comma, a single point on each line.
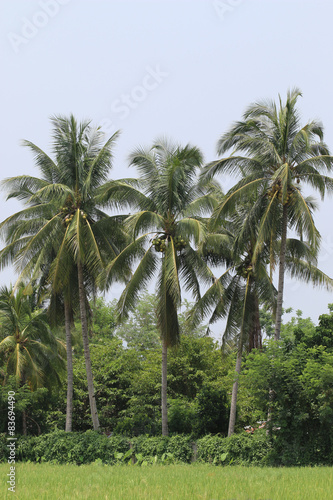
[257, 326]
[24, 423]
[69, 409]
[281, 273]
[232, 418]
[84, 325]
[255, 338]
[164, 389]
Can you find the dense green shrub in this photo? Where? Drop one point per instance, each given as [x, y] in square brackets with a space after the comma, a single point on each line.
[180, 447]
[82, 448]
[213, 411]
[182, 416]
[150, 446]
[177, 448]
[3, 448]
[77, 448]
[239, 449]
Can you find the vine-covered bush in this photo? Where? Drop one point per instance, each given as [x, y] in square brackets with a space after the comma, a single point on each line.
[181, 448]
[150, 446]
[87, 447]
[239, 449]
[78, 448]
[176, 448]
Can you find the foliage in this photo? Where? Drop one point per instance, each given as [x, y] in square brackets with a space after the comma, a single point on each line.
[38, 407]
[104, 318]
[301, 379]
[83, 448]
[213, 410]
[238, 449]
[128, 384]
[319, 335]
[28, 349]
[140, 330]
[182, 415]
[78, 448]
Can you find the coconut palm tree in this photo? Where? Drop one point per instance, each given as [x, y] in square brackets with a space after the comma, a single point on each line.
[62, 218]
[275, 157]
[165, 228]
[243, 286]
[237, 293]
[28, 349]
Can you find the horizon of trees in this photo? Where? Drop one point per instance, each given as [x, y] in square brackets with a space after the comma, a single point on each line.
[180, 230]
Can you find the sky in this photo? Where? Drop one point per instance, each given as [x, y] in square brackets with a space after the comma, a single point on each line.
[179, 69]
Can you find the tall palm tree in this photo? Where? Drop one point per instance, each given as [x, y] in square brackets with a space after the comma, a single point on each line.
[279, 157]
[166, 226]
[62, 218]
[28, 348]
[237, 293]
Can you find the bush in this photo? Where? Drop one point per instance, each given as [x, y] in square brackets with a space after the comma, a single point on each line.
[3, 448]
[182, 415]
[213, 411]
[239, 449]
[77, 448]
[180, 447]
[175, 448]
[83, 448]
[150, 446]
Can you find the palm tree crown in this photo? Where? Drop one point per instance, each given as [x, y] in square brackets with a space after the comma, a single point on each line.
[28, 348]
[169, 220]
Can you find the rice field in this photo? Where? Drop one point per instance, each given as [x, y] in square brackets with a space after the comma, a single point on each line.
[171, 482]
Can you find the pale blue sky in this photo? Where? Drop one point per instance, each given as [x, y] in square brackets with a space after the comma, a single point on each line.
[184, 69]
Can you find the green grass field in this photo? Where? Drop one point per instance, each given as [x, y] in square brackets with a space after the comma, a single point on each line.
[172, 482]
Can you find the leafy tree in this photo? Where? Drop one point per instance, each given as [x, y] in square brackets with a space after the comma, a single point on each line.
[128, 384]
[141, 330]
[213, 411]
[103, 318]
[301, 420]
[301, 330]
[32, 408]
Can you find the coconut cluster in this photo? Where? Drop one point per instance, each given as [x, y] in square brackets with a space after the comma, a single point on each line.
[276, 188]
[68, 217]
[180, 243]
[244, 270]
[161, 243]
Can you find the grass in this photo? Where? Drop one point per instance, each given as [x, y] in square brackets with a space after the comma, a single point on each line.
[171, 482]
